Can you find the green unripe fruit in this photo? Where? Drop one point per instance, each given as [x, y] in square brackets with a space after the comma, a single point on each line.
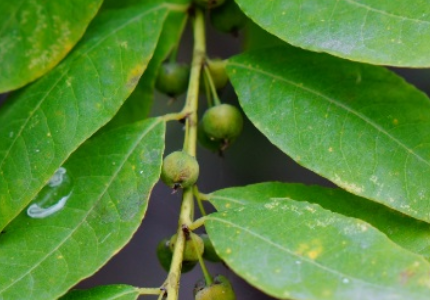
[209, 4]
[173, 78]
[222, 122]
[180, 170]
[228, 18]
[220, 289]
[164, 255]
[205, 141]
[218, 72]
[194, 247]
[209, 253]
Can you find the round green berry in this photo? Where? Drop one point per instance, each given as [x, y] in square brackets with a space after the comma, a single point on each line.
[164, 255]
[172, 78]
[208, 4]
[218, 72]
[180, 170]
[222, 122]
[220, 289]
[228, 18]
[205, 141]
[194, 247]
[209, 253]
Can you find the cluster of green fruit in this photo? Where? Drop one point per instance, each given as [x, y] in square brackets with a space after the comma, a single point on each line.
[197, 246]
[219, 127]
[222, 123]
[226, 17]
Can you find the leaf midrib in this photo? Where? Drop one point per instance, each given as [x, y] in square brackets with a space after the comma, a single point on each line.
[102, 193]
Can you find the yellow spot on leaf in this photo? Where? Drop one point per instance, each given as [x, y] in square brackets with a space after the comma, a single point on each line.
[314, 253]
[311, 250]
[351, 187]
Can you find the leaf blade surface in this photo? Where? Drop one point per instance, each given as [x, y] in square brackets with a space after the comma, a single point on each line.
[295, 250]
[45, 122]
[113, 175]
[36, 35]
[371, 31]
[360, 126]
[407, 232]
[108, 292]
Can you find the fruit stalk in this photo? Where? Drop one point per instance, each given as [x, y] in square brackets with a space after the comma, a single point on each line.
[212, 87]
[190, 143]
[208, 277]
[149, 291]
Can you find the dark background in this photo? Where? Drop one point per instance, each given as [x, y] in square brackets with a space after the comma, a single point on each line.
[251, 159]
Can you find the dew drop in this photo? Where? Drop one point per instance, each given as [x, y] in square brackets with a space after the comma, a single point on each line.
[53, 196]
[11, 134]
[345, 280]
[298, 262]
[38, 212]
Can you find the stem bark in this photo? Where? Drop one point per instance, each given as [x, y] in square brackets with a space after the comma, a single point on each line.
[190, 144]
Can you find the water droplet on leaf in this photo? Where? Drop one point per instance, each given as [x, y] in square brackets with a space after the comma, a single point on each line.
[53, 196]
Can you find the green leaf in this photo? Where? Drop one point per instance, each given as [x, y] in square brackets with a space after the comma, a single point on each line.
[138, 105]
[360, 126]
[44, 123]
[371, 31]
[409, 233]
[256, 37]
[108, 292]
[35, 35]
[113, 175]
[297, 250]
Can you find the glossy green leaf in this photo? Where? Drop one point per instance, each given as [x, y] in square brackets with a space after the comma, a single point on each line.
[108, 292]
[360, 126]
[45, 122]
[138, 105]
[296, 250]
[409, 233]
[372, 31]
[113, 175]
[35, 35]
